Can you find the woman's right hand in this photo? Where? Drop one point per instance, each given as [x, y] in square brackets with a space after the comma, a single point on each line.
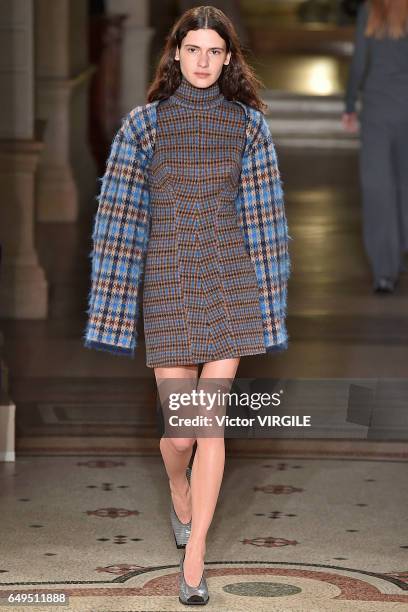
[350, 122]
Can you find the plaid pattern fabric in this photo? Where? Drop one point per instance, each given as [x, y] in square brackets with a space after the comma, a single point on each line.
[261, 214]
[122, 229]
[120, 236]
[200, 292]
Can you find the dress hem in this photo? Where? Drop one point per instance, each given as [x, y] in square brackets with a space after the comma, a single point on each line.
[174, 363]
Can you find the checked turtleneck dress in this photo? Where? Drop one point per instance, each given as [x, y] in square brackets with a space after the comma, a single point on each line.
[200, 292]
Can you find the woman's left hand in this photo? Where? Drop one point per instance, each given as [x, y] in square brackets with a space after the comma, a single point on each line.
[350, 122]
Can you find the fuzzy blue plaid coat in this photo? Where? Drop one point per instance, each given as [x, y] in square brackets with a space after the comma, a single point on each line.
[122, 225]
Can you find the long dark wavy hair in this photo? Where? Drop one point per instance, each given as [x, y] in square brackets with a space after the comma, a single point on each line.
[237, 80]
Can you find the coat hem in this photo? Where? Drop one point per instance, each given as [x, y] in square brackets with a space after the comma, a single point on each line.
[277, 348]
[109, 348]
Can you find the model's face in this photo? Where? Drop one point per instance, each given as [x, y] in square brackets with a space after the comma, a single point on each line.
[202, 56]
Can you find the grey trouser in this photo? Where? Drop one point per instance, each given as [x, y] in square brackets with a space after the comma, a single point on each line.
[384, 183]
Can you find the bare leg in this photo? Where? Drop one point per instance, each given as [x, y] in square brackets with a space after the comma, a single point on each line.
[206, 477]
[176, 452]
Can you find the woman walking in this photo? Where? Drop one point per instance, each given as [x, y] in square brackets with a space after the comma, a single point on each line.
[380, 68]
[191, 204]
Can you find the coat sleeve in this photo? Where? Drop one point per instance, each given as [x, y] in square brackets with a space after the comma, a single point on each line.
[120, 235]
[261, 214]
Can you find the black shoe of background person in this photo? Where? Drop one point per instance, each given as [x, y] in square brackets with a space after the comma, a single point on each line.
[384, 285]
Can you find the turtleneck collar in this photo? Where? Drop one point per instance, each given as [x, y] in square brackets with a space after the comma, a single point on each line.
[190, 96]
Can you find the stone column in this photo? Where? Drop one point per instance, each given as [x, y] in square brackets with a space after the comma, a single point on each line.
[135, 50]
[57, 194]
[82, 161]
[23, 287]
[66, 179]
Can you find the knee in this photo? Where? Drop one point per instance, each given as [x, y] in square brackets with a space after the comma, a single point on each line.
[181, 444]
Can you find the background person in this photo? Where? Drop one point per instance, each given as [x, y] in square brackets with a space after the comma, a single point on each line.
[380, 68]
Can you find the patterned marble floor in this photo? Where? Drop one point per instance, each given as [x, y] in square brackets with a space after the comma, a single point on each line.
[291, 534]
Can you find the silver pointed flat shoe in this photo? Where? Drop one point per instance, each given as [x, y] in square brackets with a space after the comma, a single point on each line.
[189, 595]
[181, 530]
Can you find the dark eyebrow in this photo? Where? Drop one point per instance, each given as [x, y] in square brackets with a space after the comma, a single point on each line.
[197, 47]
